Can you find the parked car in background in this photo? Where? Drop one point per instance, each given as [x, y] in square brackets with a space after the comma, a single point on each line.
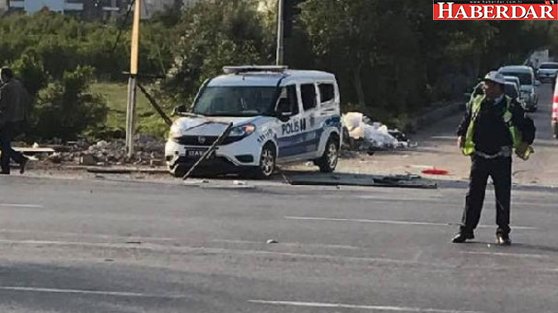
[528, 83]
[547, 72]
[514, 80]
[510, 89]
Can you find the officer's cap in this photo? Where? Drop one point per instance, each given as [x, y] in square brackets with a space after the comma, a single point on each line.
[496, 77]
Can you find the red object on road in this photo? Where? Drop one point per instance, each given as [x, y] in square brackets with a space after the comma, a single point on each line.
[435, 171]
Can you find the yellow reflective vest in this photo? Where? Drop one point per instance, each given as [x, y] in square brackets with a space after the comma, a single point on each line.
[469, 146]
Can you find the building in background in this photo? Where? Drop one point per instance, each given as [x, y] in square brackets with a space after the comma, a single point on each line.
[33, 6]
[105, 9]
[95, 9]
[3, 6]
[189, 3]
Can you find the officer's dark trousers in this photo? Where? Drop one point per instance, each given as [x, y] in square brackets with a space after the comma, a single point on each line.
[7, 133]
[500, 171]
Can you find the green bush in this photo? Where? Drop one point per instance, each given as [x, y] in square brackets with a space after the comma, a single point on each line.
[67, 110]
[32, 74]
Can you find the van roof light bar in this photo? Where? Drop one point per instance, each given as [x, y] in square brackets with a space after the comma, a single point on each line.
[254, 69]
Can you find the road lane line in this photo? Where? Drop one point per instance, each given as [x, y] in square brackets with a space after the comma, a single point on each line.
[22, 205]
[391, 222]
[357, 307]
[205, 251]
[445, 201]
[519, 255]
[89, 292]
[295, 244]
[86, 235]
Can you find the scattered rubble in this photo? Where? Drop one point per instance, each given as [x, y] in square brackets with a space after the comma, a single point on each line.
[149, 152]
[362, 134]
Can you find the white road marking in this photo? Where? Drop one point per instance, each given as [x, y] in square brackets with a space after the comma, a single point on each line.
[22, 205]
[205, 251]
[295, 244]
[358, 307]
[89, 292]
[434, 199]
[86, 235]
[391, 222]
[518, 255]
[442, 199]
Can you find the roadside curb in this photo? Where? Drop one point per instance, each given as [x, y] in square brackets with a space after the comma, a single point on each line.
[114, 170]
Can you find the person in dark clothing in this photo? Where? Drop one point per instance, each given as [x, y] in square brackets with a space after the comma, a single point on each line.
[494, 126]
[13, 106]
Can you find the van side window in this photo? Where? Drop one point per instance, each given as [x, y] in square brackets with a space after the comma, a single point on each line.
[308, 92]
[327, 92]
[293, 99]
[289, 100]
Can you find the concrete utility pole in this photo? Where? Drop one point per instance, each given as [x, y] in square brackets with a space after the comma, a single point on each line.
[280, 32]
[132, 82]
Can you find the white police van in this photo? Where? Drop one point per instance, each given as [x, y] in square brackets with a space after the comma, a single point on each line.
[278, 116]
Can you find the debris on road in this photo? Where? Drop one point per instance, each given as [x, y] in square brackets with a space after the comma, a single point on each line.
[272, 241]
[346, 179]
[435, 171]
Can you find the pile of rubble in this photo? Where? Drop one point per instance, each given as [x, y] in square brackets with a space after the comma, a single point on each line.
[148, 151]
[362, 134]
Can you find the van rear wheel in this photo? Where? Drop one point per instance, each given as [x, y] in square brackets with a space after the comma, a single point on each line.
[328, 161]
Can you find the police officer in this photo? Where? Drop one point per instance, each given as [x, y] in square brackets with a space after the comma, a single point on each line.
[494, 126]
[13, 106]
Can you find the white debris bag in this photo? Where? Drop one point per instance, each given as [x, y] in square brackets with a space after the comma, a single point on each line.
[378, 136]
[374, 134]
[353, 121]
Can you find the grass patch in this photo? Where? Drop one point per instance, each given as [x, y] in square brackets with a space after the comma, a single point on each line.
[148, 120]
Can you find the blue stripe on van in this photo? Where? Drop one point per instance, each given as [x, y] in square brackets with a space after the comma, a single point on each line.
[300, 143]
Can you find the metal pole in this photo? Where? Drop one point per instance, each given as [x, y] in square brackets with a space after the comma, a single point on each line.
[210, 151]
[132, 82]
[280, 32]
[130, 115]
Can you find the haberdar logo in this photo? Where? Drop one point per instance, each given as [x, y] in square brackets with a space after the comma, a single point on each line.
[495, 10]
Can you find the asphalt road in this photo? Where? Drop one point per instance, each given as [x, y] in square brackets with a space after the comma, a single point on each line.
[117, 246]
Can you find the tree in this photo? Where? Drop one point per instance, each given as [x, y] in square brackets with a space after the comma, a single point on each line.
[343, 35]
[214, 34]
[66, 109]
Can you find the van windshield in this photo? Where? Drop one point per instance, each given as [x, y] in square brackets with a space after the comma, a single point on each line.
[524, 78]
[236, 101]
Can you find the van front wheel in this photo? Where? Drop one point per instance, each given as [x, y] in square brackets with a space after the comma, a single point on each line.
[328, 161]
[268, 159]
